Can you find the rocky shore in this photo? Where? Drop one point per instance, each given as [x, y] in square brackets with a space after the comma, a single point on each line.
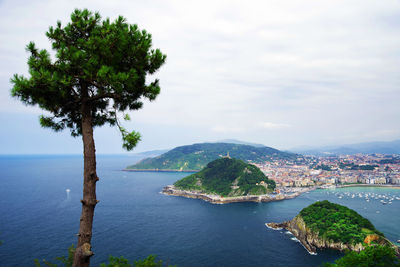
[216, 199]
[311, 241]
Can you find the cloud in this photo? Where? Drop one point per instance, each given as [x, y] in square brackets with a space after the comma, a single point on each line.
[229, 130]
[327, 70]
[271, 125]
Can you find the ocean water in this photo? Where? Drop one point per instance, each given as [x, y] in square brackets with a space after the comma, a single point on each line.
[39, 219]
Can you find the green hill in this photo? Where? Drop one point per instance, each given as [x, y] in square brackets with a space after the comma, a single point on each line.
[196, 156]
[326, 225]
[338, 223]
[228, 177]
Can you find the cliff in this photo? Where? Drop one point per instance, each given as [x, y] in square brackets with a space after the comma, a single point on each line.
[310, 239]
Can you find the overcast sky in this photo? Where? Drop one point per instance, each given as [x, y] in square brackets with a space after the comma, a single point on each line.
[280, 73]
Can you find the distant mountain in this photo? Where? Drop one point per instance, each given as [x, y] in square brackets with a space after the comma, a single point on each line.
[196, 156]
[228, 177]
[389, 147]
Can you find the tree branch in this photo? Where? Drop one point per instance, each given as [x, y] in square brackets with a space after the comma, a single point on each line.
[101, 96]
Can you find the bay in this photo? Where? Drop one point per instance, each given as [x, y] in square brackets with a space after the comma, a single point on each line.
[39, 219]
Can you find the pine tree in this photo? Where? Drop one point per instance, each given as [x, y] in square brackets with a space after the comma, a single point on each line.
[100, 69]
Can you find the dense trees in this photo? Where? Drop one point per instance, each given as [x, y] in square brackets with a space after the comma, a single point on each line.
[220, 175]
[100, 69]
[372, 256]
[337, 223]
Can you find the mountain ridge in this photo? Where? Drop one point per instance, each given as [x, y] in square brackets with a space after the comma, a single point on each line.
[374, 147]
[197, 156]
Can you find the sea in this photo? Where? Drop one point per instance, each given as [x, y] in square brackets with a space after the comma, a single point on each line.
[40, 209]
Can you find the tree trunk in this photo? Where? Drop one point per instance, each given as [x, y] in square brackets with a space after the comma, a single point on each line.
[83, 249]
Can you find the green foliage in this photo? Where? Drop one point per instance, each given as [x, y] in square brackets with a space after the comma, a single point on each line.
[65, 261]
[220, 175]
[116, 262]
[372, 256]
[150, 261]
[99, 64]
[197, 156]
[191, 182]
[323, 167]
[337, 223]
[130, 140]
[352, 166]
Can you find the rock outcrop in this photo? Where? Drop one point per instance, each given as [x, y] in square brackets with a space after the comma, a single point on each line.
[216, 199]
[311, 241]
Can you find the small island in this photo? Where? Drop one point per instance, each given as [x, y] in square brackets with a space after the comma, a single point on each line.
[326, 225]
[227, 180]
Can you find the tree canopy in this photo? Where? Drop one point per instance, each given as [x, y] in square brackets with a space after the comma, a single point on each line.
[228, 177]
[338, 223]
[98, 62]
[372, 256]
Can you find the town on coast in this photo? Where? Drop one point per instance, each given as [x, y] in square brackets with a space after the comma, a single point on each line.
[359, 169]
[296, 177]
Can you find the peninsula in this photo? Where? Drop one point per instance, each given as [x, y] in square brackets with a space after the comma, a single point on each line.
[228, 180]
[326, 225]
[192, 158]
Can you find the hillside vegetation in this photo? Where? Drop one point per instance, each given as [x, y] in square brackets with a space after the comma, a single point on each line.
[197, 156]
[372, 256]
[337, 223]
[228, 177]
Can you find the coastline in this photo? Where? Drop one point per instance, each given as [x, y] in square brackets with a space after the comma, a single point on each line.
[216, 199]
[310, 240]
[370, 185]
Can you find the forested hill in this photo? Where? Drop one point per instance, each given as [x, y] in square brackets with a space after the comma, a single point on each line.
[338, 223]
[196, 156]
[326, 225]
[228, 177]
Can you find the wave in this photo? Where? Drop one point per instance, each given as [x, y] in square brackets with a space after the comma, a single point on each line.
[272, 227]
[296, 240]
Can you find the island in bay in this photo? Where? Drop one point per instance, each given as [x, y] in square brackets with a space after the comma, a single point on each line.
[326, 225]
[227, 180]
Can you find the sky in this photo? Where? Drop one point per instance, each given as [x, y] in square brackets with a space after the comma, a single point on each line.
[281, 73]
